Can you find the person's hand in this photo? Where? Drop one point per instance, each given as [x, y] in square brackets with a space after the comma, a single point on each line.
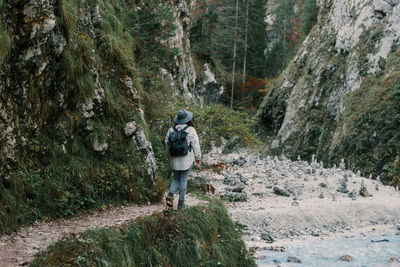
[197, 163]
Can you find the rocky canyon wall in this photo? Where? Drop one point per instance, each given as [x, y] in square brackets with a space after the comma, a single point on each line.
[339, 97]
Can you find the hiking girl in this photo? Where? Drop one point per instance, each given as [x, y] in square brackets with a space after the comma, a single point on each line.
[183, 151]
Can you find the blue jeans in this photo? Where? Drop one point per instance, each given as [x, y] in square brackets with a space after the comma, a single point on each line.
[180, 179]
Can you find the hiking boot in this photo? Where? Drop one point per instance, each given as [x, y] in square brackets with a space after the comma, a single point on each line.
[181, 204]
[170, 201]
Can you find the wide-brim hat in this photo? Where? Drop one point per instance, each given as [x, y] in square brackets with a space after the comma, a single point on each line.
[183, 116]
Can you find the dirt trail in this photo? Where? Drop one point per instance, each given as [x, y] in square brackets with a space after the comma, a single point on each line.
[18, 249]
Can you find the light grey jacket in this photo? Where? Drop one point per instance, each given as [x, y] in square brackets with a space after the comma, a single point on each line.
[182, 163]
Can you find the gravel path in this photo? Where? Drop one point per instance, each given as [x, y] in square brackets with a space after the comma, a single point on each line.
[18, 249]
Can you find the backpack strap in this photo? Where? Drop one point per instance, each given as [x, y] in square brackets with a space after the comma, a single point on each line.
[190, 145]
[182, 130]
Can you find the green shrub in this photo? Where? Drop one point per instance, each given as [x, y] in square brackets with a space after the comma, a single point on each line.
[213, 122]
[198, 236]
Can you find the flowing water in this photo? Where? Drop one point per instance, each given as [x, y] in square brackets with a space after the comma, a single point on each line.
[320, 253]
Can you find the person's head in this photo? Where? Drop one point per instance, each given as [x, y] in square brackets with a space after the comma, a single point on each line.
[184, 117]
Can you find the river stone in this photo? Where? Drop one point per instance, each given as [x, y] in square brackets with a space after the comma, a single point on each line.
[280, 192]
[240, 161]
[277, 249]
[353, 195]
[364, 192]
[238, 188]
[293, 259]
[267, 237]
[394, 259]
[346, 257]
[343, 187]
[234, 197]
[230, 179]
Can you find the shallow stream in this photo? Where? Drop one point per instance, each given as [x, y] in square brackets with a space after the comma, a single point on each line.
[363, 250]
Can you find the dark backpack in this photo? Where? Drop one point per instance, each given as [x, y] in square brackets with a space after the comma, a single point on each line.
[178, 144]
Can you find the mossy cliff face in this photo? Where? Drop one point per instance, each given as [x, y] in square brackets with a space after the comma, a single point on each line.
[73, 76]
[339, 96]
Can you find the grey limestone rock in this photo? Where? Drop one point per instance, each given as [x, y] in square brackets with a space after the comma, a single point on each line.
[280, 192]
[232, 144]
[267, 237]
[234, 197]
[95, 14]
[346, 258]
[293, 259]
[353, 195]
[238, 188]
[343, 187]
[130, 128]
[145, 147]
[129, 85]
[364, 192]
[230, 179]
[208, 88]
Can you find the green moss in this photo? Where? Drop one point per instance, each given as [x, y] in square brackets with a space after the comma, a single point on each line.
[4, 38]
[198, 236]
[58, 172]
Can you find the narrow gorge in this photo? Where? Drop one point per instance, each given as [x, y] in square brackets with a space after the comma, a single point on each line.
[296, 104]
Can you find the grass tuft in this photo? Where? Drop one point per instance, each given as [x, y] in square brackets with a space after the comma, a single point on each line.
[198, 236]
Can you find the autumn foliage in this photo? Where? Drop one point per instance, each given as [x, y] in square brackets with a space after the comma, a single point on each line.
[252, 84]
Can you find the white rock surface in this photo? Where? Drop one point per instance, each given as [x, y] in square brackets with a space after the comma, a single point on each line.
[304, 213]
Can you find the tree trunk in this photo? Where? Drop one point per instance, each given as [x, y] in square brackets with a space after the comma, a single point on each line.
[234, 52]
[245, 43]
